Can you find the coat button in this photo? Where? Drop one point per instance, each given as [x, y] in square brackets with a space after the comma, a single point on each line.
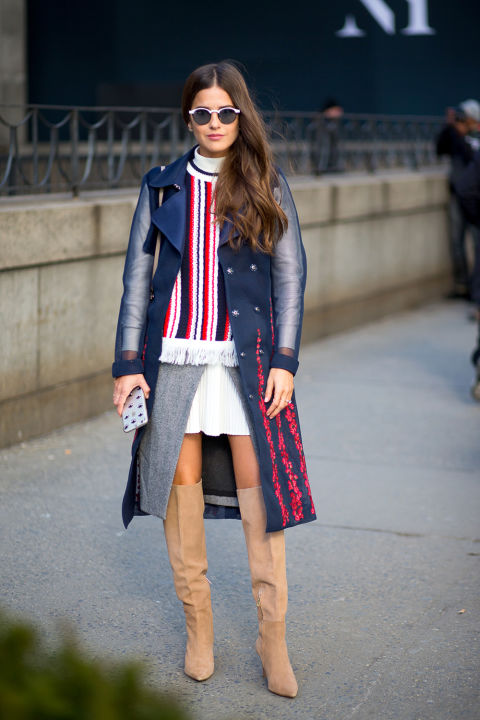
[230, 270]
[253, 267]
[251, 396]
[242, 354]
[256, 308]
[261, 351]
[177, 187]
[235, 312]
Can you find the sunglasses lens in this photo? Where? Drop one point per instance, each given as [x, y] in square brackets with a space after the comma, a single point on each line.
[227, 116]
[201, 117]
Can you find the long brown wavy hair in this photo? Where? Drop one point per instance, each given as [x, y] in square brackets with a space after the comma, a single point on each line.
[244, 190]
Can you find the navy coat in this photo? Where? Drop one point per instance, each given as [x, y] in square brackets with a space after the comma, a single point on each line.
[264, 296]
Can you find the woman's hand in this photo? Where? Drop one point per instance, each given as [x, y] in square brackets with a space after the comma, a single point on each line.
[280, 385]
[123, 386]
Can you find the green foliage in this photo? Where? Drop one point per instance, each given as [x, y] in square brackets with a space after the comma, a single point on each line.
[64, 684]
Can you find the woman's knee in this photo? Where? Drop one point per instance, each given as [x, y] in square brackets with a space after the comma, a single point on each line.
[245, 463]
[186, 475]
[189, 464]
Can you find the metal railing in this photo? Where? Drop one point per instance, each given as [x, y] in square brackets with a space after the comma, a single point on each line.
[45, 148]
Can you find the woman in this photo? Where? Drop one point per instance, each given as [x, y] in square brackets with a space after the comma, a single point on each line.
[215, 343]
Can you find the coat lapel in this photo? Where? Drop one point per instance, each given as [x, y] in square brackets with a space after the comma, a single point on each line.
[225, 231]
[224, 234]
[170, 217]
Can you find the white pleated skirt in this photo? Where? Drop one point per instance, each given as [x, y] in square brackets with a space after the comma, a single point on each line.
[216, 406]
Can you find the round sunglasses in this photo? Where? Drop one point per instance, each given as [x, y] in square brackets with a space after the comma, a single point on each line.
[202, 115]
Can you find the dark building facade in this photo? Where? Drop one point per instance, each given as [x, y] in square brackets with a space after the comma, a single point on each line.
[379, 56]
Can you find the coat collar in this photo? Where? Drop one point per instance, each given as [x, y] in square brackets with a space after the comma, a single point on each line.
[170, 217]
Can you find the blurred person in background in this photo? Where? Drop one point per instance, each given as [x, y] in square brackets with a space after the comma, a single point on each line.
[468, 192]
[459, 139]
[325, 152]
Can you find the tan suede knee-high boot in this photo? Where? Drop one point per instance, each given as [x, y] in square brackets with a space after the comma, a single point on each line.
[185, 537]
[266, 557]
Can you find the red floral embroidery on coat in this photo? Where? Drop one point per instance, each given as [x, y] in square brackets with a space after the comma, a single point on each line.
[295, 492]
[293, 426]
[268, 433]
[271, 324]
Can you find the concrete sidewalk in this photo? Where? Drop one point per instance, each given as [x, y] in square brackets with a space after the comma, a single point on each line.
[384, 612]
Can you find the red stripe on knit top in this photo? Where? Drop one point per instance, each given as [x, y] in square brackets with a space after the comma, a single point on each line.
[192, 250]
[227, 327]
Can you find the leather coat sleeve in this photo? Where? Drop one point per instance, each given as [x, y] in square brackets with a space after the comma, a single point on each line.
[137, 277]
[288, 275]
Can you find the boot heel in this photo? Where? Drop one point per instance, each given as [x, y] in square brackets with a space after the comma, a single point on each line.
[257, 648]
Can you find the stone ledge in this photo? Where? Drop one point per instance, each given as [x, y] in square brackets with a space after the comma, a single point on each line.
[313, 202]
[41, 231]
[358, 199]
[37, 413]
[407, 193]
[347, 198]
[61, 322]
[37, 233]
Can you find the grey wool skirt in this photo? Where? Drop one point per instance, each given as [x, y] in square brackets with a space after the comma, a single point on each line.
[163, 436]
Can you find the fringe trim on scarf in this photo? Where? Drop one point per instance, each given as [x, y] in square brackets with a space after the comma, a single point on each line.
[181, 351]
